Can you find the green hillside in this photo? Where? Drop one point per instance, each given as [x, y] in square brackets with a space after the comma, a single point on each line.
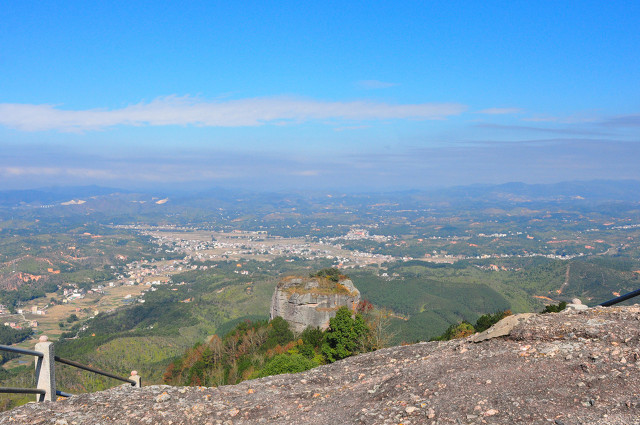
[424, 299]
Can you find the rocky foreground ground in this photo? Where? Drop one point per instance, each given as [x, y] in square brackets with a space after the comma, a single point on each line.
[574, 367]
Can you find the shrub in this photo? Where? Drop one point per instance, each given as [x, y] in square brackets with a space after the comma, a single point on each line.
[287, 363]
[485, 321]
[456, 331]
[554, 308]
[331, 274]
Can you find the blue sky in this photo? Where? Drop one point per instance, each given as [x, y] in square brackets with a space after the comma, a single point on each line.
[342, 95]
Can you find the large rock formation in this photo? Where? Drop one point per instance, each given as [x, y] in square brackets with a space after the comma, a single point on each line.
[312, 301]
[568, 368]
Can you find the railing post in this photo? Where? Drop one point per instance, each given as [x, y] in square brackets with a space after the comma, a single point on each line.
[45, 372]
[135, 377]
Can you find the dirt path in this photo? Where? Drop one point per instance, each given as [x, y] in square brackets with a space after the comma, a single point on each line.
[567, 274]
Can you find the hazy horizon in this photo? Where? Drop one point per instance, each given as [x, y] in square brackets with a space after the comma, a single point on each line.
[342, 96]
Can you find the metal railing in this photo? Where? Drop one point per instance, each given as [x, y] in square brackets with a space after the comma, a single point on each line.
[621, 298]
[21, 351]
[94, 370]
[22, 390]
[45, 371]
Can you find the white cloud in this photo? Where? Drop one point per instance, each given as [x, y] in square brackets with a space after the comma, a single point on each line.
[375, 84]
[500, 111]
[351, 127]
[20, 171]
[109, 172]
[306, 173]
[623, 121]
[583, 117]
[173, 110]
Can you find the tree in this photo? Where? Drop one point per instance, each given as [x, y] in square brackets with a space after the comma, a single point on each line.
[378, 321]
[312, 339]
[279, 333]
[346, 335]
[312, 336]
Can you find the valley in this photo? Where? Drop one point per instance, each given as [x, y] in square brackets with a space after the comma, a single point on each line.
[127, 285]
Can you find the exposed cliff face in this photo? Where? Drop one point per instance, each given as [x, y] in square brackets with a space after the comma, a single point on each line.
[569, 368]
[311, 301]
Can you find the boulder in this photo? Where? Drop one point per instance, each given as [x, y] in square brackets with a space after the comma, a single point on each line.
[305, 302]
[502, 328]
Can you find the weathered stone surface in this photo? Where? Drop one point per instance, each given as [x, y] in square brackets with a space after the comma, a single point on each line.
[578, 306]
[311, 302]
[573, 367]
[502, 328]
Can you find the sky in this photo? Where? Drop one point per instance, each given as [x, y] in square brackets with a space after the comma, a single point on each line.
[317, 95]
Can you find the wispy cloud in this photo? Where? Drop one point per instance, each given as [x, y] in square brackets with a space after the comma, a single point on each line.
[623, 121]
[375, 84]
[500, 111]
[351, 127]
[530, 160]
[173, 110]
[533, 129]
[175, 168]
[306, 173]
[593, 118]
[584, 117]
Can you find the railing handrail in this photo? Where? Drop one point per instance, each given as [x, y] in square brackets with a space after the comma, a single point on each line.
[45, 371]
[94, 370]
[22, 390]
[621, 298]
[21, 351]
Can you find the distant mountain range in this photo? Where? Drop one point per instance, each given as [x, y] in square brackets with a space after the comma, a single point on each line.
[596, 190]
[49, 195]
[620, 190]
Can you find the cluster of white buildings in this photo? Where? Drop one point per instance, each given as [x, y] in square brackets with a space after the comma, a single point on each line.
[247, 244]
[355, 234]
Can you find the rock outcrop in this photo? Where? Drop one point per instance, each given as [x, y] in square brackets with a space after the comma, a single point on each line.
[312, 301]
[568, 368]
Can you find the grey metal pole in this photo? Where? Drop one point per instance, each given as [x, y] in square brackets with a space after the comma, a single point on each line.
[620, 298]
[45, 372]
